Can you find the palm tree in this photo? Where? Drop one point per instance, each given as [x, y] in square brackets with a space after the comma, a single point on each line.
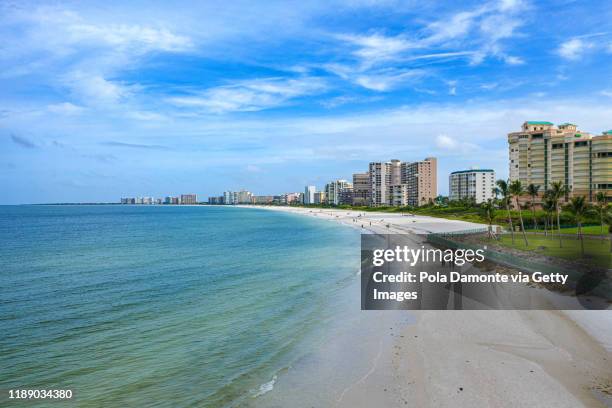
[489, 212]
[579, 206]
[601, 206]
[517, 190]
[558, 190]
[533, 190]
[548, 206]
[502, 186]
[607, 217]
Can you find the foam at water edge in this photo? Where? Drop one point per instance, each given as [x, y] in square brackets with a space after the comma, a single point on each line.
[265, 387]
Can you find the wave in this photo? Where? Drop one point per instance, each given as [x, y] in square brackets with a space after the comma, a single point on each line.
[266, 387]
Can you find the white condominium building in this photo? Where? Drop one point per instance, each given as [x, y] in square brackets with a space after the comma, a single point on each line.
[476, 184]
[309, 194]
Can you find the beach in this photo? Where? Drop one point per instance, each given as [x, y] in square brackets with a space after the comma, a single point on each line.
[473, 358]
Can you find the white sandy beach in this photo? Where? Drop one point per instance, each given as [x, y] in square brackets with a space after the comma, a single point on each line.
[479, 358]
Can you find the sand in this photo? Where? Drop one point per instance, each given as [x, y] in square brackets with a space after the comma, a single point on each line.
[479, 358]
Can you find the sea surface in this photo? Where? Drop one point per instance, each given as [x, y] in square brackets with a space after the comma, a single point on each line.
[165, 306]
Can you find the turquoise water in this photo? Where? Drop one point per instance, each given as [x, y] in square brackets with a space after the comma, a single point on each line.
[163, 306]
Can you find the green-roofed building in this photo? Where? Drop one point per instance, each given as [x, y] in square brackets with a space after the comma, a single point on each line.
[539, 122]
[542, 153]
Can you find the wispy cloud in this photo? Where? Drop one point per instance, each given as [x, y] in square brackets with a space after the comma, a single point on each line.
[377, 47]
[573, 49]
[135, 145]
[93, 89]
[65, 108]
[251, 95]
[452, 145]
[388, 79]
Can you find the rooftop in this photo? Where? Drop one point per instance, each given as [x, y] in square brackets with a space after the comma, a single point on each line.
[608, 132]
[474, 171]
[539, 122]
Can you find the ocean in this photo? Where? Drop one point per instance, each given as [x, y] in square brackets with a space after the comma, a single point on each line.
[166, 306]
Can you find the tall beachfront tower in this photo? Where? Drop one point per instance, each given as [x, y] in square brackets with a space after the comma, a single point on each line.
[333, 190]
[309, 192]
[361, 189]
[403, 183]
[421, 178]
[473, 184]
[542, 153]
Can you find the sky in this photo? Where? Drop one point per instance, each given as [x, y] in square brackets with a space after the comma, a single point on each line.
[102, 100]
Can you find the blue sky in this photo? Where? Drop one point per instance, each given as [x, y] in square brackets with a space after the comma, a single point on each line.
[101, 100]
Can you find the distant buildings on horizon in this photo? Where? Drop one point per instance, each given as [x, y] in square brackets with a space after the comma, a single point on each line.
[539, 154]
[184, 199]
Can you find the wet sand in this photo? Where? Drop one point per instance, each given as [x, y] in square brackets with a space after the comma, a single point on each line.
[468, 358]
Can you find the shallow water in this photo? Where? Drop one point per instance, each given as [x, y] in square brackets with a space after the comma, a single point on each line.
[165, 305]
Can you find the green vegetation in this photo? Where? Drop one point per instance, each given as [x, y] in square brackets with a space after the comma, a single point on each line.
[596, 251]
[588, 230]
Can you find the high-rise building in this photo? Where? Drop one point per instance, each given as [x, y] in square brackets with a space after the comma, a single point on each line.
[332, 190]
[215, 200]
[399, 195]
[346, 196]
[189, 199]
[319, 197]
[361, 189]
[420, 179]
[542, 153]
[292, 198]
[383, 175]
[244, 197]
[309, 192]
[473, 184]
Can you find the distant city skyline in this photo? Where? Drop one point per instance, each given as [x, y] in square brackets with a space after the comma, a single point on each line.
[117, 99]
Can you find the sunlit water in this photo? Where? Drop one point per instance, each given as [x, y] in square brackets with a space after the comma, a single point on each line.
[163, 305]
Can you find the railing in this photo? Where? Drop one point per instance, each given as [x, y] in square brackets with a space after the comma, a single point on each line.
[462, 232]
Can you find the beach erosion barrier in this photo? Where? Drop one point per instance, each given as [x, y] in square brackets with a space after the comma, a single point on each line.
[603, 289]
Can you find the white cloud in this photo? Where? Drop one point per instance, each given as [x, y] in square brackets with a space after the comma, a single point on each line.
[252, 95]
[445, 142]
[573, 49]
[376, 47]
[512, 60]
[93, 89]
[65, 108]
[511, 5]
[457, 26]
[499, 26]
[386, 81]
[137, 37]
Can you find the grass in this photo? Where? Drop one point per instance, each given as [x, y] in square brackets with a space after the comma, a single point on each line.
[590, 230]
[596, 251]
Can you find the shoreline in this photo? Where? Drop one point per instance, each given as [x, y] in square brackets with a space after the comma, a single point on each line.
[479, 358]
